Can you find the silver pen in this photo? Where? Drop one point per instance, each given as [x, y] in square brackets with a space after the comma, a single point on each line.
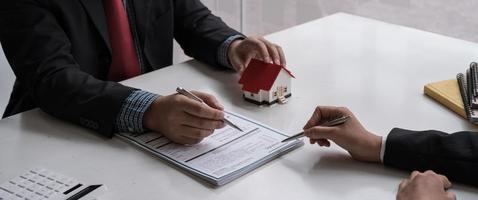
[334, 122]
[185, 92]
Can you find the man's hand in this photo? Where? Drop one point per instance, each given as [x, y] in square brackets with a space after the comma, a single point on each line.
[241, 52]
[425, 186]
[184, 120]
[352, 136]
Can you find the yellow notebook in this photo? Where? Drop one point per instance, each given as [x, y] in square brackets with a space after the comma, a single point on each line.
[448, 94]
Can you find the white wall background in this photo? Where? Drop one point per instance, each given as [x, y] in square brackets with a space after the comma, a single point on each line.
[455, 18]
[452, 18]
[6, 82]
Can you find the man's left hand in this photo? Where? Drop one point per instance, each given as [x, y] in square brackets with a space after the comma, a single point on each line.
[241, 52]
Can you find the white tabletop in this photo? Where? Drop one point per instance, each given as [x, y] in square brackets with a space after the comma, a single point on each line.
[376, 69]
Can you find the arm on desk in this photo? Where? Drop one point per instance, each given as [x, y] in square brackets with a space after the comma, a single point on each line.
[199, 32]
[453, 155]
[39, 52]
[207, 38]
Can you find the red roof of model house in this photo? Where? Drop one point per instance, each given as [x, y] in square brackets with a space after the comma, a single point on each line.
[260, 76]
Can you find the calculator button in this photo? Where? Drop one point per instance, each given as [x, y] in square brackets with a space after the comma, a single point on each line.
[28, 184]
[38, 169]
[17, 180]
[51, 193]
[70, 183]
[55, 176]
[35, 187]
[46, 174]
[9, 187]
[31, 195]
[42, 191]
[37, 178]
[22, 193]
[52, 185]
[63, 180]
[14, 197]
[62, 189]
[5, 195]
[28, 175]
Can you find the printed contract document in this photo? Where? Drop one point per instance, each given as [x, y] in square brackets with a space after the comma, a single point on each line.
[223, 156]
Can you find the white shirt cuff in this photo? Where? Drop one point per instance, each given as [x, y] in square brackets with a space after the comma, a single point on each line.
[382, 148]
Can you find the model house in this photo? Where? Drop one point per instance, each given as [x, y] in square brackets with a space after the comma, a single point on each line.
[266, 83]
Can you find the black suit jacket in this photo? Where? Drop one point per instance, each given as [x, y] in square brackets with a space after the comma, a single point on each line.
[60, 52]
[454, 155]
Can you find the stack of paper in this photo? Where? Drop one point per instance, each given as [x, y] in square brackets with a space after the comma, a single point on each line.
[225, 155]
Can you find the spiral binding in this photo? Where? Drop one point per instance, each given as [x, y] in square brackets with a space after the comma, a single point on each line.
[474, 70]
[463, 91]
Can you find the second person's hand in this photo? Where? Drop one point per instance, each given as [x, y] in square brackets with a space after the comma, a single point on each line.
[424, 186]
[184, 120]
[352, 136]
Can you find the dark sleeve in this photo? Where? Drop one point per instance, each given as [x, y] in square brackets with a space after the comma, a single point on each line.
[454, 155]
[38, 51]
[198, 31]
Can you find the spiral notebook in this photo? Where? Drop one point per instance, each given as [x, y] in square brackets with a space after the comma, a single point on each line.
[467, 96]
[455, 94]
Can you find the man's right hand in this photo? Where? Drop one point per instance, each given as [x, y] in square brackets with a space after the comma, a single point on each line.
[184, 120]
[425, 186]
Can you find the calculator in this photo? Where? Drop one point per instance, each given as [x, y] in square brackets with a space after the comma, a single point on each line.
[43, 184]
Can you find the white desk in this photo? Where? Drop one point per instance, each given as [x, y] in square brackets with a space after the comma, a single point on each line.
[376, 69]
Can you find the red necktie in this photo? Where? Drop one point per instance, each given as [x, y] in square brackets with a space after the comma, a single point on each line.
[124, 63]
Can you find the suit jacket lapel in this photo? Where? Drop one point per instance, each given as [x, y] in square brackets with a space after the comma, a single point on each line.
[96, 12]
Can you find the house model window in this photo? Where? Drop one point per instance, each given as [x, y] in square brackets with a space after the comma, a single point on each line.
[266, 83]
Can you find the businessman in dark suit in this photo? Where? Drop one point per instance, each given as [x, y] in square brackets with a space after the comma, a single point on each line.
[68, 56]
[453, 155]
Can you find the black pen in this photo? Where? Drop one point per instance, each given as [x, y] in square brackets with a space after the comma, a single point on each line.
[334, 122]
